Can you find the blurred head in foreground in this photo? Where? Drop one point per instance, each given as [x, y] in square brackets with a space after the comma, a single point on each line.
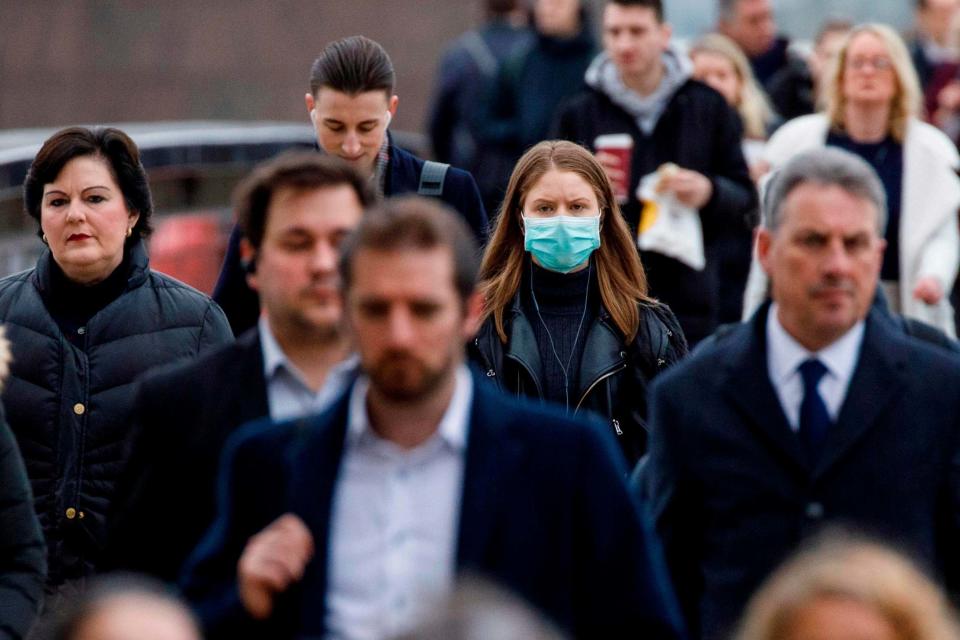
[122, 607]
[848, 588]
[478, 610]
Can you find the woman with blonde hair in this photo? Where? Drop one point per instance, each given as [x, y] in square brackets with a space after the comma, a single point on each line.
[873, 98]
[843, 587]
[568, 319]
[719, 62]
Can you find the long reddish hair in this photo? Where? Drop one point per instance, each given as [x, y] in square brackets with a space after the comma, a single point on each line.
[623, 283]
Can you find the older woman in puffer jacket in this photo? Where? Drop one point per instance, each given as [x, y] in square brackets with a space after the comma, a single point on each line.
[83, 324]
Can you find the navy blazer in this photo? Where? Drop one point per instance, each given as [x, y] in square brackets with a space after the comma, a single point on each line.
[545, 512]
[241, 303]
[731, 489]
[183, 415]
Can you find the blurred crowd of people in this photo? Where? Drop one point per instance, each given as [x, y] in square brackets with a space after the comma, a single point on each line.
[660, 344]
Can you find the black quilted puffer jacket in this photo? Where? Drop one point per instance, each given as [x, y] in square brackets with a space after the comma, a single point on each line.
[69, 407]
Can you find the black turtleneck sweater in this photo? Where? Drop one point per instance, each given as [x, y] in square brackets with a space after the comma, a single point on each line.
[72, 304]
[561, 299]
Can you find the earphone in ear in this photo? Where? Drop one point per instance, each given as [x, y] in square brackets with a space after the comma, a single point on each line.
[313, 117]
[249, 264]
[389, 118]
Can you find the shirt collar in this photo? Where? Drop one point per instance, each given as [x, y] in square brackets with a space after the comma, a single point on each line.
[453, 425]
[785, 354]
[379, 177]
[273, 356]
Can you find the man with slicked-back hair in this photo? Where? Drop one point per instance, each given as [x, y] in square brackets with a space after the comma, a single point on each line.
[351, 103]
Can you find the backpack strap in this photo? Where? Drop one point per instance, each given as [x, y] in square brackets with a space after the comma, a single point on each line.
[431, 178]
[479, 51]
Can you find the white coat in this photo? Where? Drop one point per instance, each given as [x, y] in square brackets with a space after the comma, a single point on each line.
[929, 232]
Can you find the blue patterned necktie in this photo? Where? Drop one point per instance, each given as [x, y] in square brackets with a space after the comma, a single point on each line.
[814, 419]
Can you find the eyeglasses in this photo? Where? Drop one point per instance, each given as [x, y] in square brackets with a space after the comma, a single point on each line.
[879, 63]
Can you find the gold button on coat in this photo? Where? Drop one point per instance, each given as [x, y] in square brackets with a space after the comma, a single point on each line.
[79, 408]
[71, 513]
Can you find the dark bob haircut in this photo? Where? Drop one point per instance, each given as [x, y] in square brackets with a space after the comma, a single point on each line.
[117, 150]
[415, 222]
[297, 170]
[352, 66]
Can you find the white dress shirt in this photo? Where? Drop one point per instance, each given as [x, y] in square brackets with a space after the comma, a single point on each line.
[785, 355]
[288, 396]
[394, 522]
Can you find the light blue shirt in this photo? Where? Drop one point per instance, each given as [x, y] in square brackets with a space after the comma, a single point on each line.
[785, 355]
[288, 396]
[394, 521]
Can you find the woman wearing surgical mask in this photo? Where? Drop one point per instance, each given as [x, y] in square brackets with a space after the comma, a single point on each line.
[568, 319]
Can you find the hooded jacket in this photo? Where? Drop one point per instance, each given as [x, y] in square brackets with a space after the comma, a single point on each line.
[696, 130]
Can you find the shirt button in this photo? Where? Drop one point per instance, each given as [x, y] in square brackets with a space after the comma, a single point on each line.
[71, 513]
[814, 510]
[79, 409]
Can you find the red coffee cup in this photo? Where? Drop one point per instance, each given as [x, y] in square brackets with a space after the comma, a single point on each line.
[619, 145]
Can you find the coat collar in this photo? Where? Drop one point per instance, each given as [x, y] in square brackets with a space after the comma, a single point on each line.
[746, 383]
[253, 402]
[492, 455]
[878, 380]
[604, 349]
[139, 266]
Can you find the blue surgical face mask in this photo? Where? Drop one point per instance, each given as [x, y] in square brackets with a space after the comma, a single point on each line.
[561, 243]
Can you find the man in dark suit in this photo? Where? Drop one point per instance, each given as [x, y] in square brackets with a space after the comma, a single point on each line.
[294, 211]
[816, 411]
[351, 103]
[368, 513]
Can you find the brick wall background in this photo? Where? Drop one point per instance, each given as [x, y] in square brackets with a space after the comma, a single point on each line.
[85, 61]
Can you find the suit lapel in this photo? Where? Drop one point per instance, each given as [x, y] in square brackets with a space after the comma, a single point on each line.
[747, 384]
[314, 466]
[490, 459]
[251, 401]
[877, 382]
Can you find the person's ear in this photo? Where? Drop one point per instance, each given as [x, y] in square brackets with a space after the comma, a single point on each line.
[248, 260]
[392, 105]
[473, 312]
[132, 222]
[666, 32]
[763, 243]
[310, 102]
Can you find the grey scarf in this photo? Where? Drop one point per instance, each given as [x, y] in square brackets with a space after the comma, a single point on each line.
[646, 110]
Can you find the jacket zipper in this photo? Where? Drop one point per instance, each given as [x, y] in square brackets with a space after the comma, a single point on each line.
[608, 374]
[529, 372]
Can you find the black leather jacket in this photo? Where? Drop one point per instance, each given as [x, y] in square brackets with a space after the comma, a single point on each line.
[613, 374]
